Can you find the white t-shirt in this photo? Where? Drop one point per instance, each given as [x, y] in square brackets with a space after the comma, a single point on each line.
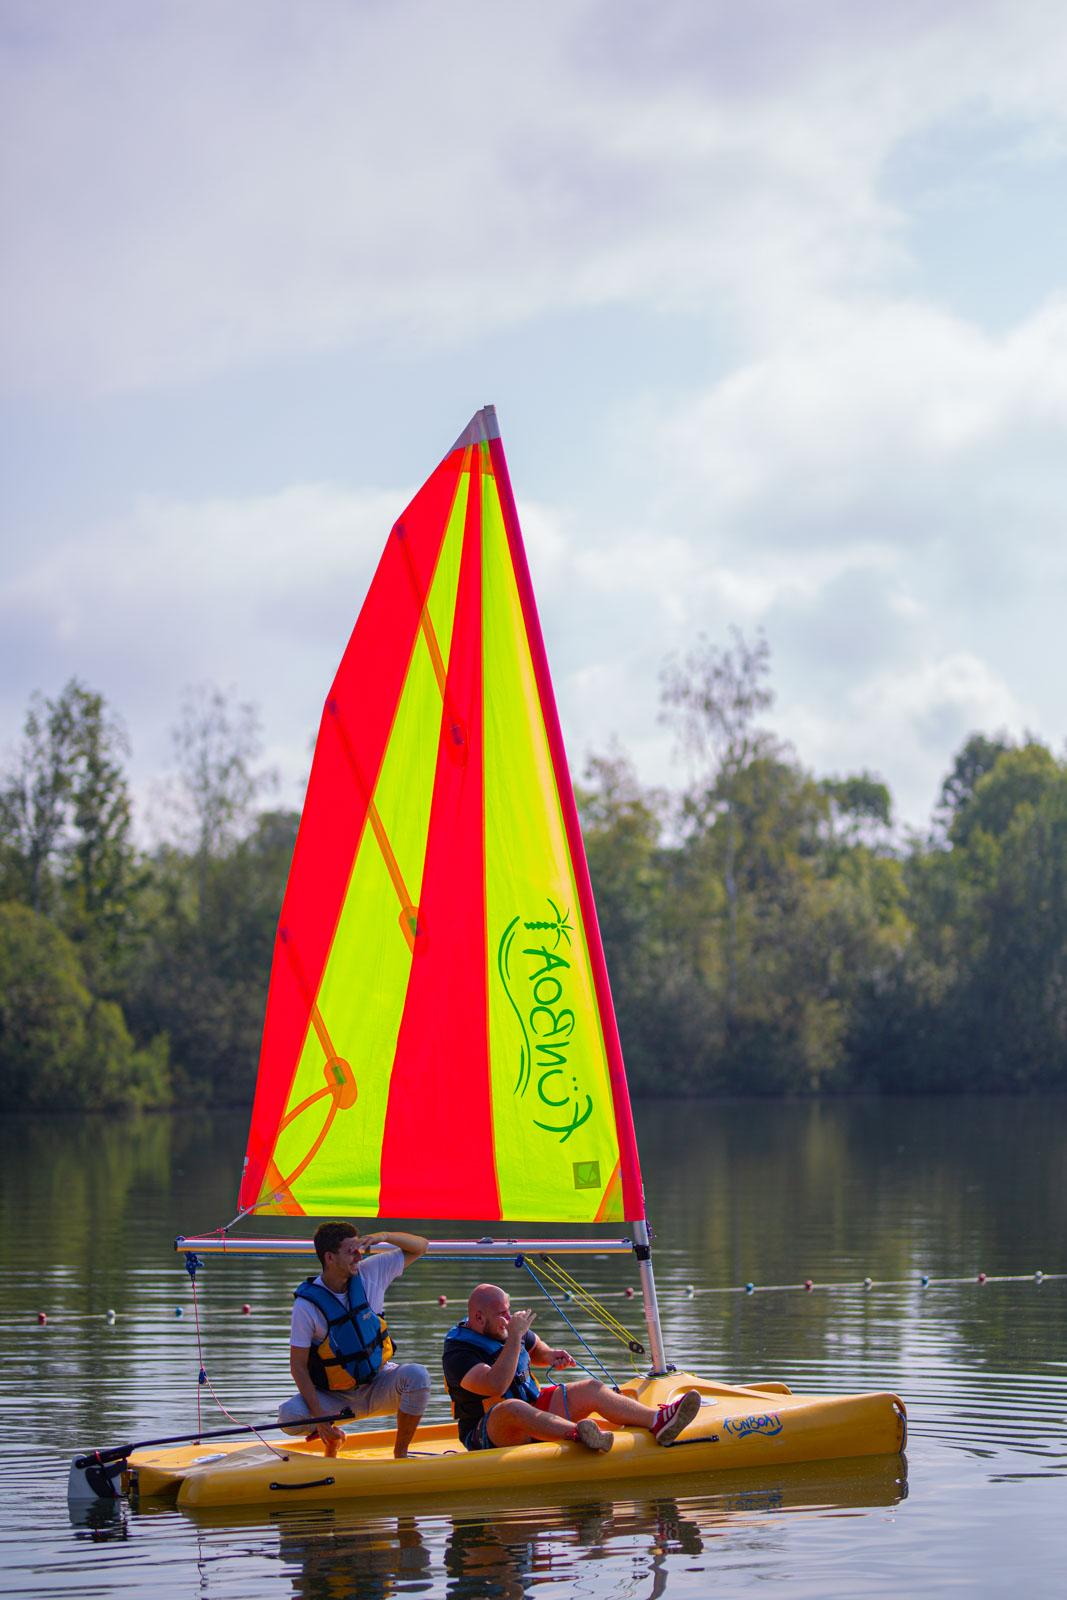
[376, 1273]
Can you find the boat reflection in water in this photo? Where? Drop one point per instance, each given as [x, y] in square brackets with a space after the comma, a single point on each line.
[344, 1554]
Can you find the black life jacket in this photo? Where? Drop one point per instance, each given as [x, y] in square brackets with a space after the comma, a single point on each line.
[357, 1340]
[523, 1386]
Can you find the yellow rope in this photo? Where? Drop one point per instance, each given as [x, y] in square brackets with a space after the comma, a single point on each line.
[562, 1280]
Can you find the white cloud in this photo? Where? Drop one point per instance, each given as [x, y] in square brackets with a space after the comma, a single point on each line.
[258, 594]
[199, 187]
[865, 396]
[873, 477]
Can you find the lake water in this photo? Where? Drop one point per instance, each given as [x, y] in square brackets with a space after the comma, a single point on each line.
[889, 1190]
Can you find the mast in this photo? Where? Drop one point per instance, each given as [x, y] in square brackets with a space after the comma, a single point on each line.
[643, 1252]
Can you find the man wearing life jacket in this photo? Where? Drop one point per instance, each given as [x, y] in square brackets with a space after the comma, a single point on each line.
[497, 1400]
[340, 1350]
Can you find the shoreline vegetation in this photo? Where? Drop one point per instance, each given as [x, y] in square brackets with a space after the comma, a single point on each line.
[768, 932]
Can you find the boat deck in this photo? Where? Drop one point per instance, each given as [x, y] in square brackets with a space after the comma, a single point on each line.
[738, 1426]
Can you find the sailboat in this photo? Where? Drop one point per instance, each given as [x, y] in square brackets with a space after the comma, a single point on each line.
[440, 1040]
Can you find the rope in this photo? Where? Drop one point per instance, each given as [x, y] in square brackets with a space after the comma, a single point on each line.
[192, 1262]
[593, 1307]
[521, 1261]
[923, 1281]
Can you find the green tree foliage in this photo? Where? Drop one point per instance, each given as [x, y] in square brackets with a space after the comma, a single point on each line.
[201, 974]
[977, 999]
[661, 999]
[61, 1048]
[1017, 777]
[860, 809]
[977, 756]
[765, 931]
[712, 699]
[65, 823]
[217, 746]
[769, 883]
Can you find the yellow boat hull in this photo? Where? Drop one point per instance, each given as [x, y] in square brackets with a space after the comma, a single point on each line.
[739, 1426]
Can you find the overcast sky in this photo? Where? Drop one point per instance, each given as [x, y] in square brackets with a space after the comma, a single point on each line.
[771, 298]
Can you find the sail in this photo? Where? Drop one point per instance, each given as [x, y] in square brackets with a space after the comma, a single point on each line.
[439, 1038]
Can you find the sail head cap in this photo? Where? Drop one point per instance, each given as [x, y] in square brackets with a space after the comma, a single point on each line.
[482, 427]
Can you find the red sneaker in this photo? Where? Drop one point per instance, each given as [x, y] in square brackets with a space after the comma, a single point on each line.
[673, 1417]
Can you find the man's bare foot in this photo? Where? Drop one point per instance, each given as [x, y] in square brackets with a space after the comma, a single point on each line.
[594, 1438]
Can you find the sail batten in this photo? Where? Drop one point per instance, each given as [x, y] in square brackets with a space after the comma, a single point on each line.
[439, 1039]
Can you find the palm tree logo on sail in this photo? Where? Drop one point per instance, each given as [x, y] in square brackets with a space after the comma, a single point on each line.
[534, 976]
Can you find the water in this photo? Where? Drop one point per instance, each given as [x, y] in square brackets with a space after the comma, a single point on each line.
[738, 1192]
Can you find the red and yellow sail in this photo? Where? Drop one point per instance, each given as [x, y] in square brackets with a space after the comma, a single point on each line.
[440, 1040]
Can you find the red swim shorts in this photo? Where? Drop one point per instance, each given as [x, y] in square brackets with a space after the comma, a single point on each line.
[544, 1399]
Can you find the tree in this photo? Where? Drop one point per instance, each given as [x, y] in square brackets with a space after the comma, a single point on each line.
[977, 1000]
[201, 974]
[100, 854]
[978, 756]
[33, 803]
[216, 744]
[62, 1048]
[66, 820]
[661, 1000]
[861, 808]
[712, 699]
[1017, 777]
[1018, 988]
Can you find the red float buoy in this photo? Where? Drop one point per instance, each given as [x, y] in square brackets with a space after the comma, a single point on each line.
[442, 1300]
[808, 1284]
[629, 1292]
[981, 1277]
[245, 1309]
[42, 1317]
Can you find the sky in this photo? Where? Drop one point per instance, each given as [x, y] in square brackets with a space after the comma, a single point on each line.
[771, 300]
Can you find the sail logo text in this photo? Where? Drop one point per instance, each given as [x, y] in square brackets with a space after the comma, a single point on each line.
[768, 1423]
[535, 974]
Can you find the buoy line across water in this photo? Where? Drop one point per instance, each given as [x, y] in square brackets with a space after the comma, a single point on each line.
[687, 1292]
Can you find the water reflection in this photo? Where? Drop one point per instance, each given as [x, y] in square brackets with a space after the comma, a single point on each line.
[344, 1562]
[341, 1555]
[100, 1521]
[768, 1193]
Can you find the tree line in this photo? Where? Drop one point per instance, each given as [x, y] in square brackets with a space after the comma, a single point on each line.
[767, 931]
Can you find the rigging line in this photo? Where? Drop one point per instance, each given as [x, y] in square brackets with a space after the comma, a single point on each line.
[595, 1307]
[633, 1346]
[590, 1304]
[203, 1381]
[583, 1341]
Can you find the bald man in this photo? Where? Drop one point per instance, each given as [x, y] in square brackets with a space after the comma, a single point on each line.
[497, 1400]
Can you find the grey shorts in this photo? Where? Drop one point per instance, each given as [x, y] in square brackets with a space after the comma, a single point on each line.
[397, 1387]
